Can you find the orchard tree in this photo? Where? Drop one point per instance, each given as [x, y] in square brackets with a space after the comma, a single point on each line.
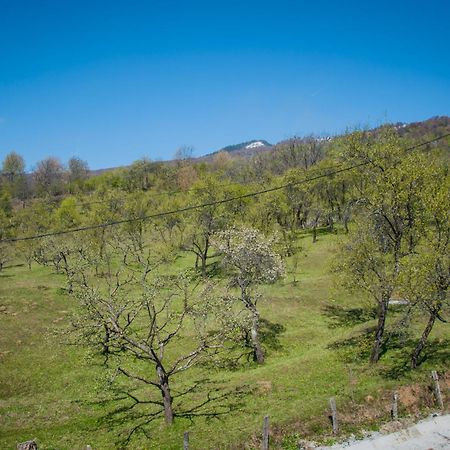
[426, 280]
[13, 165]
[49, 176]
[135, 317]
[269, 212]
[183, 154]
[204, 222]
[298, 198]
[109, 207]
[392, 218]
[7, 229]
[170, 228]
[36, 218]
[425, 276]
[300, 152]
[6, 232]
[186, 176]
[251, 260]
[140, 175]
[78, 171]
[365, 263]
[67, 215]
[13, 171]
[56, 250]
[221, 162]
[333, 194]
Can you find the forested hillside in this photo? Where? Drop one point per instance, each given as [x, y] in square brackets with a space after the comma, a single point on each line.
[203, 294]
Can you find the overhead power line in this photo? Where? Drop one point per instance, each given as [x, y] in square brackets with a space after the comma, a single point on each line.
[204, 205]
[187, 191]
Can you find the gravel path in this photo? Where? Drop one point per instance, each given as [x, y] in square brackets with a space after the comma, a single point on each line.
[429, 434]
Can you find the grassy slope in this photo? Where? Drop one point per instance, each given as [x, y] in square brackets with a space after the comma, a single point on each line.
[46, 388]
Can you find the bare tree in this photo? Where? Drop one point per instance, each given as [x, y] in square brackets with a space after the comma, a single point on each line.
[136, 319]
[49, 176]
[184, 153]
[78, 169]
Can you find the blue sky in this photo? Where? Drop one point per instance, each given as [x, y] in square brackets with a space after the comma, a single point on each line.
[112, 81]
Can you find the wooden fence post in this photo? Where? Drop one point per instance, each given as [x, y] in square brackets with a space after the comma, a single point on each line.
[352, 384]
[186, 440]
[394, 410]
[437, 389]
[334, 419]
[265, 441]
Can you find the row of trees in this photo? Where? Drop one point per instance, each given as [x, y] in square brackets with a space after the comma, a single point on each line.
[49, 177]
[52, 178]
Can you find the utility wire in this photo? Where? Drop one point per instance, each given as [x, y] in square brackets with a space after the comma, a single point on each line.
[177, 191]
[203, 205]
[150, 195]
[107, 200]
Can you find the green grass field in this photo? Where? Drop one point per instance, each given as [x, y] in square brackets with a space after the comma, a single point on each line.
[48, 390]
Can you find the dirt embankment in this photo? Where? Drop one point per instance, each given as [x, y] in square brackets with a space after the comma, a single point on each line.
[415, 402]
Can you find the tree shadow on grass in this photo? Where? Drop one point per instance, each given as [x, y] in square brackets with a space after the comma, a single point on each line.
[436, 354]
[11, 266]
[128, 416]
[355, 348]
[242, 348]
[348, 317]
[437, 351]
[320, 231]
[5, 275]
[358, 347]
[270, 333]
[396, 351]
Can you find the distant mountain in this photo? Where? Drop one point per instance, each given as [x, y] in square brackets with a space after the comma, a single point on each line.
[433, 127]
[247, 148]
[425, 130]
[415, 131]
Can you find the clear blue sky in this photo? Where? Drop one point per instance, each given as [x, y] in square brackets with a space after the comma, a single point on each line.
[115, 80]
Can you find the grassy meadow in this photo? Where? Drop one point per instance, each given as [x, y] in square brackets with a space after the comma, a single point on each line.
[50, 390]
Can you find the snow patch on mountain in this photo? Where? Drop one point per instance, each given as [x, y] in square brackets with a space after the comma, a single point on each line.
[255, 144]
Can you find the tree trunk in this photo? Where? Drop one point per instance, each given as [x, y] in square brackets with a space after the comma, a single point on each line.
[423, 340]
[346, 220]
[382, 313]
[105, 343]
[196, 261]
[205, 257]
[314, 234]
[167, 397]
[258, 352]
[330, 224]
[67, 271]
